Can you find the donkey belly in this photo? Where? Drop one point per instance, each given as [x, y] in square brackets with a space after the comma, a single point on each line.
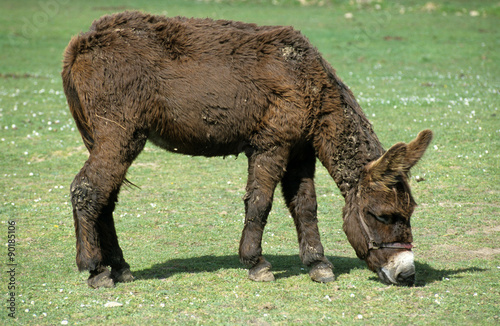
[198, 146]
[203, 115]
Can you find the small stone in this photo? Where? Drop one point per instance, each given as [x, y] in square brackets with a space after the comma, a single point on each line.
[112, 304]
[419, 178]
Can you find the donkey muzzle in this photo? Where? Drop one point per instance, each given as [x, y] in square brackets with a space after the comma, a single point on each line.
[399, 270]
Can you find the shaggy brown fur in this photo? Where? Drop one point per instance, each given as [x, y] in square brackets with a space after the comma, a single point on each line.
[215, 88]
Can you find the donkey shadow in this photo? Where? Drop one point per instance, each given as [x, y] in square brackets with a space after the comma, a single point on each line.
[285, 266]
[427, 274]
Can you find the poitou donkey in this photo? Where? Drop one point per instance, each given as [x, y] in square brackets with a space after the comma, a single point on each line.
[216, 88]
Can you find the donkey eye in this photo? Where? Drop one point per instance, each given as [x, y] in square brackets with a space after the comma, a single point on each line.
[386, 219]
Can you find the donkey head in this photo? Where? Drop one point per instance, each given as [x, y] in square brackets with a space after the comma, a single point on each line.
[377, 212]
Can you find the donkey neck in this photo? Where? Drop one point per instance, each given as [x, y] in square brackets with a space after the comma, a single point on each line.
[345, 140]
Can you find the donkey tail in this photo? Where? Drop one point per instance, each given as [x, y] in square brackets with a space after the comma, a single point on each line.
[70, 84]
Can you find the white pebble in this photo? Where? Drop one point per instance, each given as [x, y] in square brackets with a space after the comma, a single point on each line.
[112, 304]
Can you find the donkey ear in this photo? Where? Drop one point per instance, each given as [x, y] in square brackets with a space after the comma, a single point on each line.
[389, 165]
[416, 148]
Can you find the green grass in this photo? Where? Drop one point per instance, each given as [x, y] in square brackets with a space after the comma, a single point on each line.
[410, 68]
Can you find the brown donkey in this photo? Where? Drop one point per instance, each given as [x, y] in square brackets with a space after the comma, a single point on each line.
[204, 87]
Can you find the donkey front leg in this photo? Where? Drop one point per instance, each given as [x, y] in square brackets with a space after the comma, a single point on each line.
[300, 197]
[257, 207]
[264, 173]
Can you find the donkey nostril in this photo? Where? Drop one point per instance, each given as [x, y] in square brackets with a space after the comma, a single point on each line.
[407, 278]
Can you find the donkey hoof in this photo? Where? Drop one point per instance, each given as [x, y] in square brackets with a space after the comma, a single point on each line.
[322, 273]
[261, 272]
[101, 280]
[123, 275]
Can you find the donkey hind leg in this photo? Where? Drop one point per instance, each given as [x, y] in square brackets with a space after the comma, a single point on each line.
[264, 172]
[97, 246]
[94, 193]
[300, 197]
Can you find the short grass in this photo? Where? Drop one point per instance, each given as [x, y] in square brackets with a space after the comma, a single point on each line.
[413, 65]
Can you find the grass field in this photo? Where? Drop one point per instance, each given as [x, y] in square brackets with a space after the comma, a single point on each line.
[412, 65]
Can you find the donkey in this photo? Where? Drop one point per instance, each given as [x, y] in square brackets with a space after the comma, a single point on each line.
[216, 88]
